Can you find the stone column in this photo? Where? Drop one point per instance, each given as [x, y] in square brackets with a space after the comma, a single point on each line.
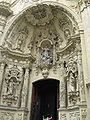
[84, 68]
[62, 88]
[1, 77]
[85, 14]
[54, 55]
[62, 94]
[25, 88]
[81, 78]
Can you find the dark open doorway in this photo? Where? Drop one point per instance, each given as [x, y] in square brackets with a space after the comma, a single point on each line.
[45, 99]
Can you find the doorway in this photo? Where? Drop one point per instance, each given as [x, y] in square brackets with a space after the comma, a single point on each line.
[45, 95]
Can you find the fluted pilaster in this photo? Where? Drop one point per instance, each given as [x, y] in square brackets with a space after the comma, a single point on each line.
[1, 77]
[25, 88]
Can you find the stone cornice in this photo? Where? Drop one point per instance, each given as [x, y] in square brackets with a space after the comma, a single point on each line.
[18, 56]
[72, 39]
[14, 108]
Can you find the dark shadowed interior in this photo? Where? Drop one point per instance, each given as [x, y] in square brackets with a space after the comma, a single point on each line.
[45, 99]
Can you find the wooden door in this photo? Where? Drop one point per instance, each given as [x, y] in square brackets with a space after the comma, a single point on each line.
[45, 100]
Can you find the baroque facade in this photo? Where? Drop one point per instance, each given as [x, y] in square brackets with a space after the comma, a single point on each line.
[44, 44]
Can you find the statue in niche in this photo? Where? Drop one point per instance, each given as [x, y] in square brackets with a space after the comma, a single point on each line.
[11, 87]
[67, 33]
[30, 46]
[72, 82]
[46, 55]
[21, 38]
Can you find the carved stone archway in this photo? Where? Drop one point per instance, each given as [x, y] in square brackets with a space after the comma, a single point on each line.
[43, 42]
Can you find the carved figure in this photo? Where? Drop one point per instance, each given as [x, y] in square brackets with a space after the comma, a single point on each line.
[45, 72]
[12, 82]
[67, 33]
[21, 38]
[10, 87]
[71, 82]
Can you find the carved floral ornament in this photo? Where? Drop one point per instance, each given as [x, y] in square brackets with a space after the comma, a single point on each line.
[7, 116]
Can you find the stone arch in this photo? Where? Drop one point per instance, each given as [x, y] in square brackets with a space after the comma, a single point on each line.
[71, 14]
[65, 51]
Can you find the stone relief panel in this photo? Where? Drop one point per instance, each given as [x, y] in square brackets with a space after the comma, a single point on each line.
[70, 64]
[11, 87]
[74, 115]
[6, 116]
[72, 81]
[84, 114]
[63, 116]
[19, 116]
[21, 39]
[18, 42]
[15, 115]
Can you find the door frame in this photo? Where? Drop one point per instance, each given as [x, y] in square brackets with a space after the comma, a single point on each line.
[33, 96]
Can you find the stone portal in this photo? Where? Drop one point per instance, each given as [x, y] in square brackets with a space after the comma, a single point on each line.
[45, 100]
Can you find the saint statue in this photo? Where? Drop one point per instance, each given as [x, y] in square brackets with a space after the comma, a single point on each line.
[10, 88]
[71, 82]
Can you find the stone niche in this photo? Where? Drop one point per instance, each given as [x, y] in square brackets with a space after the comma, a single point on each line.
[43, 43]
